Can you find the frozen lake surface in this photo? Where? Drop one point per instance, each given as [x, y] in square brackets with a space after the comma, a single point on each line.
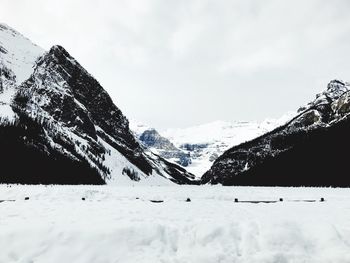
[120, 224]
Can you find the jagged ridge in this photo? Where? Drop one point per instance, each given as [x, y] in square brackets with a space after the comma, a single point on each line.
[303, 152]
[78, 125]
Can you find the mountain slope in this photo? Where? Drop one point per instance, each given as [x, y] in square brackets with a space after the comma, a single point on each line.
[204, 143]
[29, 157]
[18, 53]
[76, 124]
[309, 150]
[17, 58]
[197, 147]
[156, 143]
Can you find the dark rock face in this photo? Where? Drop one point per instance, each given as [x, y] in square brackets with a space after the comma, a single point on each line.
[95, 99]
[63, 89]
[307, 151]
[3, 50]
[152, 139]
[7, 78]
[64, 121]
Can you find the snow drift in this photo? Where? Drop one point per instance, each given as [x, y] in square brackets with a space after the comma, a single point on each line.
[120, 224]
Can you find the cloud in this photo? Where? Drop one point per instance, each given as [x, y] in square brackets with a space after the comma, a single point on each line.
[177, 63]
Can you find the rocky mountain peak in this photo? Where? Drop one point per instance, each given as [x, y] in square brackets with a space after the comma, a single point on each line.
[152, 138]
[304, 151]
[63, 119]
[160, 145]
[61, 89]
[323, 109]
[337, 88]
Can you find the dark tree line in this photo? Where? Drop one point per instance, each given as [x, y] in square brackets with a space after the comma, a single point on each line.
[27, 158]
[315, 158]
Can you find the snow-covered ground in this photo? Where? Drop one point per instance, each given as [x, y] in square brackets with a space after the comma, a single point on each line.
[120, 224]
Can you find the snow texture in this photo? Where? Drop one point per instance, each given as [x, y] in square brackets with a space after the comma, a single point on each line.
[120, 224]
[117, 163]
[18, 53]
[6, 111]
[204, 143]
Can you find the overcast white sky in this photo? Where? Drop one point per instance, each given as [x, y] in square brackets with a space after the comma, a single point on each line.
[176, 63]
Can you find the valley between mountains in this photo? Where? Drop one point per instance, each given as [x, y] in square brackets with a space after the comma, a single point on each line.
[58, 125]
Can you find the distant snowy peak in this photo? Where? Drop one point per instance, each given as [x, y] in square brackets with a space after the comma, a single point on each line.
[158, 144]
[197, 147]
[17, 52]
[233, 132]
[137, 127]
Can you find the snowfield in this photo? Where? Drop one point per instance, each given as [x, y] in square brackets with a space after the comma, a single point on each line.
[120, 224]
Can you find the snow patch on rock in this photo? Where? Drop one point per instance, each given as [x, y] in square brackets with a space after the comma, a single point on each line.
[18, 53]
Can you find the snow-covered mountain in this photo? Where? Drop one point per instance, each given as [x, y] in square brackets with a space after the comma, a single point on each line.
[17, 58]
[58, 125]
[158, 144]
[309, 150]
[197, 147]
[18, 53]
